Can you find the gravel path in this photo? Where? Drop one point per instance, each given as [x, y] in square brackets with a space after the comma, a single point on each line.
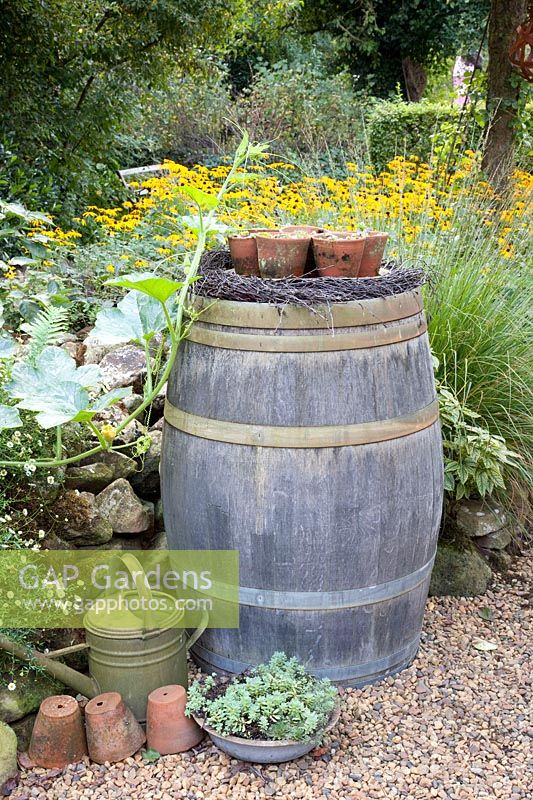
[453, 725]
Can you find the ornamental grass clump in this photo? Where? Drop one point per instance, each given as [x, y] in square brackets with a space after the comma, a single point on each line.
[277, 701]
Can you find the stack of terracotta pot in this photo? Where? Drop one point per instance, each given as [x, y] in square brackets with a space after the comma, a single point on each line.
[106, 730]
[298, 250]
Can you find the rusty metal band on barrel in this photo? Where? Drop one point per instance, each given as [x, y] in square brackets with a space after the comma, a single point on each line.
[234, 314]
[362, 338]
[301, 437]
[325, 601]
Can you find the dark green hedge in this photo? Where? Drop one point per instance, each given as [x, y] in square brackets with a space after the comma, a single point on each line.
[405, 129]
[397, 128]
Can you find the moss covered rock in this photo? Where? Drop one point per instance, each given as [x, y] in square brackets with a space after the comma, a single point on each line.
[89, 477]
[479, 517]
[81, 521]
[500, 560]
[23, 729]
[460, 573]
[8, 754]
[29, 692]
[123, 510]
[123, 466]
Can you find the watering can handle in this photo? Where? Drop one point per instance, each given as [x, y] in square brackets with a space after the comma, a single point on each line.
[199, 630]
[137, 573]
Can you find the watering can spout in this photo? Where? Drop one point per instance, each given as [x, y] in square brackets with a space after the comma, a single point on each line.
[70, 677]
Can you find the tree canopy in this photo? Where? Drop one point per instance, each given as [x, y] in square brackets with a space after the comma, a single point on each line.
[72, 68]
[374, 36]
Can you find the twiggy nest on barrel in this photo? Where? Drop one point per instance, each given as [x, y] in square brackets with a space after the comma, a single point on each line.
[219, 280]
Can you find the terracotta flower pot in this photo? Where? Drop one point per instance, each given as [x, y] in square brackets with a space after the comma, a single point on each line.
[168, 730]
[373, 253]
[113, 733]
[58, 736]
[310, 264]
[243, 251]
[282, 256]
[338, 257]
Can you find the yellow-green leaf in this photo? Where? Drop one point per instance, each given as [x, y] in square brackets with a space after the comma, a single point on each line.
[205, 201]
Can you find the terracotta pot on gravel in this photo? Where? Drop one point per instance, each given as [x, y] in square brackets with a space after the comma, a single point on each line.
[373, 253]
[58, 737]
[338, 254]
[113, 733]
[282, 255]
[243, 251]
[168, 730]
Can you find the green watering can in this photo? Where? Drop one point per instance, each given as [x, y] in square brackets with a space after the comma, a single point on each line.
[128, 653]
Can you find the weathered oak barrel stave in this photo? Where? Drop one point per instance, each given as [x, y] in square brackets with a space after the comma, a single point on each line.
[309, 441]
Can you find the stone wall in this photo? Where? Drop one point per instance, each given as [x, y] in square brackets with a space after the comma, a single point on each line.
[112, 500]
[480, 536]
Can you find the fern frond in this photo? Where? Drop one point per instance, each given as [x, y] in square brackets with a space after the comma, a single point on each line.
[47, 328]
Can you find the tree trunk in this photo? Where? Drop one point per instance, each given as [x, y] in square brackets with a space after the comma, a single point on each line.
[415, 79]
[502, 90]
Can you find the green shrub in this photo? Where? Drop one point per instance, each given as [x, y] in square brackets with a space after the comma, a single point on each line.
[304, 111]
[474, 459]
[289, 104]
[188, 120]
[74, 75]
[407, 129]
[479, 309]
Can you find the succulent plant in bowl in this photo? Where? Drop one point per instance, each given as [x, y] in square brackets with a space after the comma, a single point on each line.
[271, 713]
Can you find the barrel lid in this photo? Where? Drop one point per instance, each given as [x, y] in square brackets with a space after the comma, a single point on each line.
[123, 616]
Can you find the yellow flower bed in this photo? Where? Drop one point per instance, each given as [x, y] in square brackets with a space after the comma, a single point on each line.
[409, 200]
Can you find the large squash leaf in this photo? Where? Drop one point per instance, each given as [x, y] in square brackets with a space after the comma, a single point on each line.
[53, 367]
[152, 285]
[58, 390]
[205, 201]
[137, 318]
[8, 346]
[9, 417]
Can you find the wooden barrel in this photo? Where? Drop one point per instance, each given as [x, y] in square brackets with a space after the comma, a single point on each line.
[309, 441]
